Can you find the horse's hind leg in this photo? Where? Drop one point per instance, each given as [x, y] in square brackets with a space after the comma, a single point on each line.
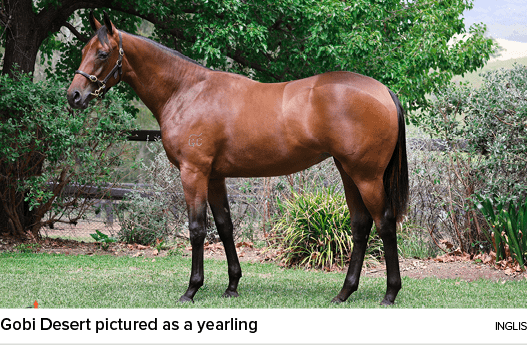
[361, 226]
[367, 200]
[374, 197]
[219, 205]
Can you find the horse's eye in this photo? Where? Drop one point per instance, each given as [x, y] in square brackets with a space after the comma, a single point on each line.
[102, 55]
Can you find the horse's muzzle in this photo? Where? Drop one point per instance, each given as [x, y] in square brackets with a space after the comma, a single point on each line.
[77, 100]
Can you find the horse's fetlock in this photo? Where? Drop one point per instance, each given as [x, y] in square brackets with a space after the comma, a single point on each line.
[196, 281]
[235, 273]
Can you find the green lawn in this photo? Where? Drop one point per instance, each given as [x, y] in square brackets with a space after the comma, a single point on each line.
[59, 281]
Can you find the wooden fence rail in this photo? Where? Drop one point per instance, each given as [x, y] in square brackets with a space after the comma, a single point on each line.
[424, 144]
[144, 135]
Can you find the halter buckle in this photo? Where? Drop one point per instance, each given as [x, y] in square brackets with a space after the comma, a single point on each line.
[99, 93]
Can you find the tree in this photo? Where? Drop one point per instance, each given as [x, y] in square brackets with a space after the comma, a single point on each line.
[408, 45]
[54, 147]
[35, 125]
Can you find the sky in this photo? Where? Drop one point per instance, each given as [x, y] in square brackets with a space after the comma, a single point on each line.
[505, 19]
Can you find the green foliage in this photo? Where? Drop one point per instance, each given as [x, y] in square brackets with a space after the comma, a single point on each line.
[508, 221]
[403, 44]
[497, 114]
[44, 146]
[103, 239]
[27, 247]
[493, 121]
[314, 229]
[484, 131]
[410, 46]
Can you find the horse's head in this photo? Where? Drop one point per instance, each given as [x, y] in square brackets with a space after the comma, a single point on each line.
[101, 63]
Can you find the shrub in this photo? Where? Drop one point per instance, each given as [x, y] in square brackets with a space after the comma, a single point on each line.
[45, 146]
[314, 229]
[484, 131]
[496, 127]
[143, 219]
[157, 210]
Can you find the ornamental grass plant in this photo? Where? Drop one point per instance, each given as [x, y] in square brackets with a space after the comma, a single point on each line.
[314, 229]
[507, 220]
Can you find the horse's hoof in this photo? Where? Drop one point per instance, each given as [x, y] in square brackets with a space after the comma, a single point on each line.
[386, 302]
[230, 294]
[185, 299]
[337, 300]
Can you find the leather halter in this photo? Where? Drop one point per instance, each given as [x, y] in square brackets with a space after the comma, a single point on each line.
[117, 69]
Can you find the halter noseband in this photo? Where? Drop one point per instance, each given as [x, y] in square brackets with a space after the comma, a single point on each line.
[99, 93]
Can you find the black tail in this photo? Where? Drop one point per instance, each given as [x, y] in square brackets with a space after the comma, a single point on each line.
[396, 174]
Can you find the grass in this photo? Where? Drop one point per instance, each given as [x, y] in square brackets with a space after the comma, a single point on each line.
[59, 281]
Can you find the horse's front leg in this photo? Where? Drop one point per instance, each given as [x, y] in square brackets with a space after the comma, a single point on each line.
[195, 185]
[219, 204]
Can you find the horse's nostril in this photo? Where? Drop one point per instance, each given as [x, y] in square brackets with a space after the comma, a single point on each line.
[76, 97]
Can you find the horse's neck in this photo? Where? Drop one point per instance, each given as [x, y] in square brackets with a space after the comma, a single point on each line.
[157, 75]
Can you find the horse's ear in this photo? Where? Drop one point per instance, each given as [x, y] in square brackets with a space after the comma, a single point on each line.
[95, 25]
[108, 23]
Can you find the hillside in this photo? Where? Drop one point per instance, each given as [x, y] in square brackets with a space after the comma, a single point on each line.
[511, 52]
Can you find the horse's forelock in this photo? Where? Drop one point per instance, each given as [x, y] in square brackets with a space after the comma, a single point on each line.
[102, 35]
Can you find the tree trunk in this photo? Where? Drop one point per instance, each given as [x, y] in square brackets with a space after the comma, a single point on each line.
[23, 38]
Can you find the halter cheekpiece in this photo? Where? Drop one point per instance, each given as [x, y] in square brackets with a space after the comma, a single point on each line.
[117, 69]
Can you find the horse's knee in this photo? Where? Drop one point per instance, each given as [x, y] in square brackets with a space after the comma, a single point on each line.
[387, 228]
[224, 226]
[197, 232]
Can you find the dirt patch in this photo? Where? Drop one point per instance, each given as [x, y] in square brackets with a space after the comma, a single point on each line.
[461, 269]
[446, 267]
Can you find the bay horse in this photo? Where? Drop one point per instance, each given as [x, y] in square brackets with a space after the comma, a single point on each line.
[216, 125]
